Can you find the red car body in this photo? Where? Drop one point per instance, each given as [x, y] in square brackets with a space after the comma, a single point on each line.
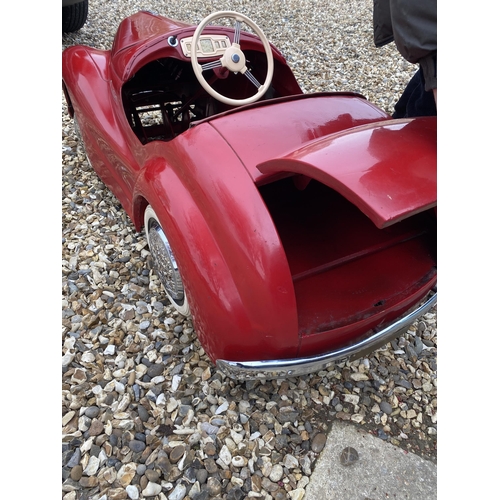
[303, 225]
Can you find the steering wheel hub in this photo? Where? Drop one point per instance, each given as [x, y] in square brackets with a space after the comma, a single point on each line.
[234, 60]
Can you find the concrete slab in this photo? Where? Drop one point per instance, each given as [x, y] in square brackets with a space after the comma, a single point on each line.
[382, 472]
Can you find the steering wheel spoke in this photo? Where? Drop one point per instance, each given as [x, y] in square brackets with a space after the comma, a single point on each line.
[211, 65]
[237, 32]
[252, 78]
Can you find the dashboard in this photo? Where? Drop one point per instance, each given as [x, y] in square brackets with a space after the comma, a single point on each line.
[208, 45]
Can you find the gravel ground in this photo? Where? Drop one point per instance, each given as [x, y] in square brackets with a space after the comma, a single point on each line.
[144, 412]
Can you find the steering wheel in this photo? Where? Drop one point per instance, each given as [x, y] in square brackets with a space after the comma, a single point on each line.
[233, 59]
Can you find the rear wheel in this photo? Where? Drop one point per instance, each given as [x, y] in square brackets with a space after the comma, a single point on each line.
[74, 16]
[164, 262]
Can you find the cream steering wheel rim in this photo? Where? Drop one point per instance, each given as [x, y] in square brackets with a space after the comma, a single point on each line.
[233, 59]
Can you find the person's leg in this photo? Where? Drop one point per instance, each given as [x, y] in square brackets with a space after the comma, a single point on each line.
[415, 101]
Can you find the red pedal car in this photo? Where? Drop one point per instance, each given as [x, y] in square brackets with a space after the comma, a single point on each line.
[296, 229]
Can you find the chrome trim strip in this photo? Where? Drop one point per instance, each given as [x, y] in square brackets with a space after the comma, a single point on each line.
[272, 369]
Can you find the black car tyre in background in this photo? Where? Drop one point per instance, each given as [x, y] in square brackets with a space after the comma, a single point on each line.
[74, 14]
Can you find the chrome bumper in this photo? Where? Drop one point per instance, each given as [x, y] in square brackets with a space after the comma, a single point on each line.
[283, 368]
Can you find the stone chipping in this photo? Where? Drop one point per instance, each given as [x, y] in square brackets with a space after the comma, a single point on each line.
[145, 414]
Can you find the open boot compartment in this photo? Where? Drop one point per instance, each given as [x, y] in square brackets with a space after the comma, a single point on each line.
[344, 268]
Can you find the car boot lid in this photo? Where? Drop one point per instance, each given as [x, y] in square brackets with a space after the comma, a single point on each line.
[386, 168]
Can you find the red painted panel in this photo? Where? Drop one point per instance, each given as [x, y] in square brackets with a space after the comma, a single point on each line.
[388, 170]
[262, 133]
[141, 27]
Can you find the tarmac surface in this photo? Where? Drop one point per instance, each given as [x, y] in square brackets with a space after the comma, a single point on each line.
[380, 472]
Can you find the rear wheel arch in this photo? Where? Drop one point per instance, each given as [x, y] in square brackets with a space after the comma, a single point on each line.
[219, 302]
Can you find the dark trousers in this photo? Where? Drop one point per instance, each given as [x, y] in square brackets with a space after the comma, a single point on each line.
[415, 101]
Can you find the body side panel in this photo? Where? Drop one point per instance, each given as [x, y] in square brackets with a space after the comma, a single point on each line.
[235, 270]
[85, 74]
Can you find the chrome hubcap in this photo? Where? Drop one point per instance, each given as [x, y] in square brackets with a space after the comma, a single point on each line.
[165, 263]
